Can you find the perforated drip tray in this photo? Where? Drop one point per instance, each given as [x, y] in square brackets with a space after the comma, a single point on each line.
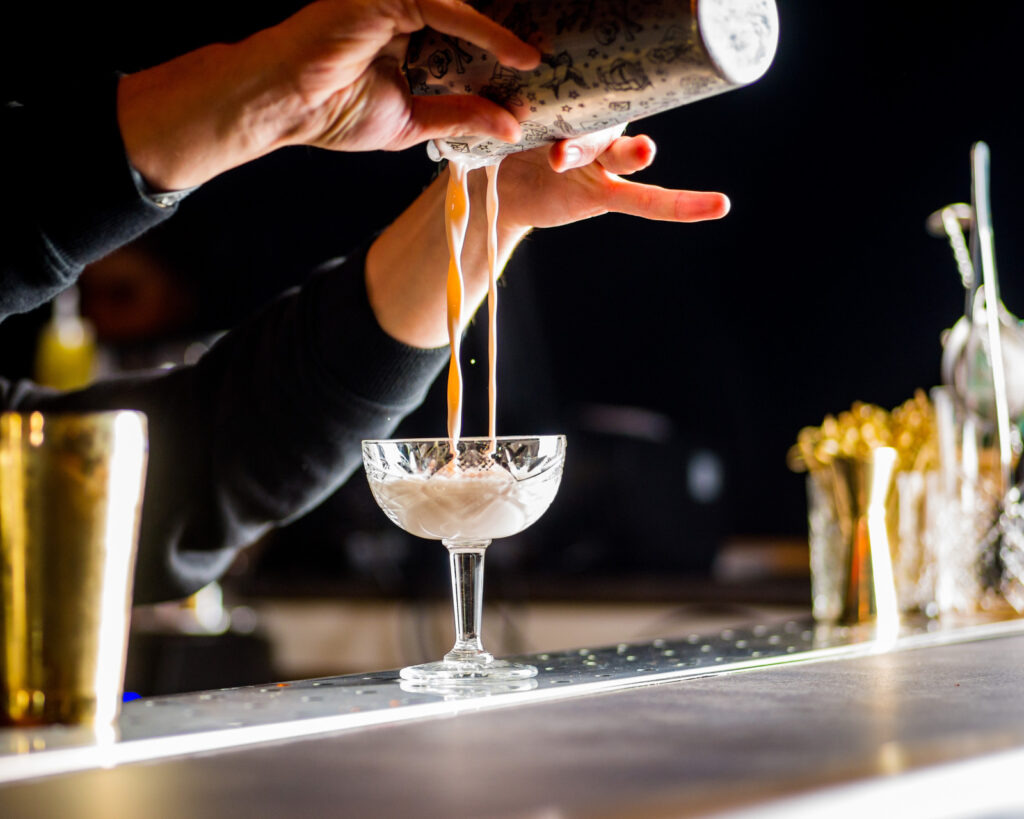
[158, 727]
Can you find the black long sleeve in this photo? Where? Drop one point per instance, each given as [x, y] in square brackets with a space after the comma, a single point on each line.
[263, 428]
[267, 424]
[69, 189]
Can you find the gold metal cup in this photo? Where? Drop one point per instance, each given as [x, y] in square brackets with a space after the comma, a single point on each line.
[70, 500]
[851, 555]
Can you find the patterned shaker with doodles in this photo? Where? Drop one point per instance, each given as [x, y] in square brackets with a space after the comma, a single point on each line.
[604, 63]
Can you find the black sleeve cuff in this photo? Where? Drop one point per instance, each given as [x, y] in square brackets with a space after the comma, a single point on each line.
[86, 199]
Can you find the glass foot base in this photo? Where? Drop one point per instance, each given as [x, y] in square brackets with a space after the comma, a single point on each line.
[466, 689]
[452, 671]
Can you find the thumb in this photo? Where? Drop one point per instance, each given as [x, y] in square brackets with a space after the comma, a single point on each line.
[453, 115]
[580, 151]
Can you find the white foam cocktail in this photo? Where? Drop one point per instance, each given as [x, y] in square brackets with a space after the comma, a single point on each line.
[492, 488]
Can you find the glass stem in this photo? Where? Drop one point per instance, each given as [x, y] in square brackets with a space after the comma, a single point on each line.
[467, 563]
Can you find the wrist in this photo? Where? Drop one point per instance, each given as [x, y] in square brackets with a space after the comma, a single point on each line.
[407, 289]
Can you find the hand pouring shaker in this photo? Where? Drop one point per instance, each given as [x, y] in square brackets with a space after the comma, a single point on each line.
[604, 63]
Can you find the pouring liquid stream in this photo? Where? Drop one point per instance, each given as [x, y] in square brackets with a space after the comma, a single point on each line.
[492, 303]
[456, 224]
[456, 218]
[466, 506]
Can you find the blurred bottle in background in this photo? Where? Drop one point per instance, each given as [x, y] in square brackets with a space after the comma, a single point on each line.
[66, 349]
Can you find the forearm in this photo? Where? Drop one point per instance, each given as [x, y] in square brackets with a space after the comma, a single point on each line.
[192, 118]
[72, 198]
[407, 266]
[264, 427]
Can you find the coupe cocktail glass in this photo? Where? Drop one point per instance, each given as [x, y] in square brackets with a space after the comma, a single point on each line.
[492, 488]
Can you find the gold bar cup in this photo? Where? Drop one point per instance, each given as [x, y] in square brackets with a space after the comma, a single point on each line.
[852, 530]
[70, 501]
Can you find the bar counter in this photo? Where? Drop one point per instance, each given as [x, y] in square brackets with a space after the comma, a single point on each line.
[778, 719]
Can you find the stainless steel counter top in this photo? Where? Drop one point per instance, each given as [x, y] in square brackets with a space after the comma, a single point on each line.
[663, 728]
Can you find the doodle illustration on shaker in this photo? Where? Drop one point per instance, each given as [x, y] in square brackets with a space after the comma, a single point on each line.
[624, 75]
[460, 54]
[504, 87]
[659, 55]
[562, 72]
[606, 33]
[566, 128]
[439, 62]
[674, 45]
[535, 132]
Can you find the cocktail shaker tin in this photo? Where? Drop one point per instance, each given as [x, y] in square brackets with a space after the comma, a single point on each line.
[605, 62]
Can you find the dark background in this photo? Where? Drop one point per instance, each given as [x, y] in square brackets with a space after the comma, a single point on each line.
[820, 288]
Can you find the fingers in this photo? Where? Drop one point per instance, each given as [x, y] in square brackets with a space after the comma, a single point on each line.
[458, 115]
[623, 156]
[663, 204]
[580, 151]
[628, 155]
[461, 20]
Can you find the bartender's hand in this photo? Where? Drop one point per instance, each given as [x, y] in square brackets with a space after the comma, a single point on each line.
[544, 187]
[587, 181]
[328, 76]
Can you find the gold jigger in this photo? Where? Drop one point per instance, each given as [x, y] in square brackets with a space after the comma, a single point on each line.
[861, 490]
[70, 498]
